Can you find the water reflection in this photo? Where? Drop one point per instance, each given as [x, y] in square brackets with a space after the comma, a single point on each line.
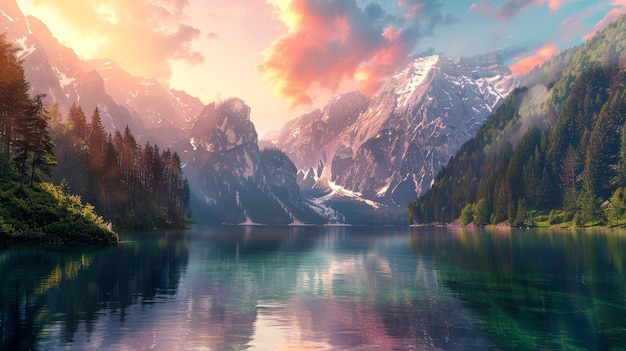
[541, 289]
[260, 288]
[334, 289]
[47, 293]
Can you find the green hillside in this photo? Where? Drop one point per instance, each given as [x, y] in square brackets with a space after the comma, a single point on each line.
[554, 151]
[32, 211]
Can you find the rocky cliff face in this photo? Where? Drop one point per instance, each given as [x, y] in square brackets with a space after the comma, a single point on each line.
[389, 149]
[238, 182]
[56, 71]
[306, 139]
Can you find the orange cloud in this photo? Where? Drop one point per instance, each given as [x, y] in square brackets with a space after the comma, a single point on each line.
[526, 64]
[141, 35]
[619, 7]
[331, 41]
[554, 5]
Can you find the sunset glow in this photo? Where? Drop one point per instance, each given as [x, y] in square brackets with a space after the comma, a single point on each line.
[526, 64]
[284, 57]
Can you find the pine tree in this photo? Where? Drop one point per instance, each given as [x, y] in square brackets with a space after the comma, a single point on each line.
[15, 102]
[78, 122]
[481, 212]
[43, 147]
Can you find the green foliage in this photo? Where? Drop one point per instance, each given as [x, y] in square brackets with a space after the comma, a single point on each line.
[47, 214]
[466, 215]
[133, 187]
[38, 212]
[563, 149]
[481, 214]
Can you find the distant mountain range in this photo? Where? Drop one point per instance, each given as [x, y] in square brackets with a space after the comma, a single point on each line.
[358, 157]
[389, 148]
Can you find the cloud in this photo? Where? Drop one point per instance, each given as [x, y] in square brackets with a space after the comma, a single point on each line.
[619, 8]
[141, 35]
[543, 54]
[331, 41]
[511, 8]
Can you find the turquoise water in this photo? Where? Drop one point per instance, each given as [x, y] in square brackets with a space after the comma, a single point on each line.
[305, 288]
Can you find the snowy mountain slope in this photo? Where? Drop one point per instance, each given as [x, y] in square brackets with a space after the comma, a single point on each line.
[390, 147]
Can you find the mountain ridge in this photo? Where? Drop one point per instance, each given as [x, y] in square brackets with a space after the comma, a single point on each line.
[415, 121]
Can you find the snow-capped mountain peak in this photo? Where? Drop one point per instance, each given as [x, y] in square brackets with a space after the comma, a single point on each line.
[391, 148]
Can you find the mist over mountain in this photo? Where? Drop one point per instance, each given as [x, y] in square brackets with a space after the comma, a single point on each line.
[554, 152]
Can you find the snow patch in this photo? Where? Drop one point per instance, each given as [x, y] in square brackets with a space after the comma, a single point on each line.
[64, 80]
[7, 16]
[25, 50]
[339, 191]
[249, 221]
[419, 70]
[383, 190]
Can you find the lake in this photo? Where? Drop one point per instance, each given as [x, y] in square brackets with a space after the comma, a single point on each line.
[311, 288]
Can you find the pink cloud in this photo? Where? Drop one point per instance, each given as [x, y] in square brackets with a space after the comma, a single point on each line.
[619, 7]
[554, 5]
[331, 41]
[543, 54]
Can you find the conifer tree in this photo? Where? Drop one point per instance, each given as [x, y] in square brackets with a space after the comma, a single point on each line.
[15, 102]
[78, 122]
[43, 147]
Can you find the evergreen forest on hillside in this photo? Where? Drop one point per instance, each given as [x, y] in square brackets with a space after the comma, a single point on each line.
[555, 150]
[32, 211]
[134, 187]
[102, 179]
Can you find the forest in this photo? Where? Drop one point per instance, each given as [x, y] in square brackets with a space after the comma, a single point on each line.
[133, 187]
[103, 180]
[554, 152]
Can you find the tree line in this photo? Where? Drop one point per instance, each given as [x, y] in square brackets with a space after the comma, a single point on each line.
[129, 185]
[33, 211]
[25, 143]
[132, 186]
[568, 165]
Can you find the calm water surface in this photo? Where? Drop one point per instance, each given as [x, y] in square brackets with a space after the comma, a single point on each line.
[262, 288]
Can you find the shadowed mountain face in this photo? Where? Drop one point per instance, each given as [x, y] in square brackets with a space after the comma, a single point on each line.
[238, 182]
[389, 148]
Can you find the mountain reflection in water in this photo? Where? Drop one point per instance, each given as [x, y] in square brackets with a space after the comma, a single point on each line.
[259, 288]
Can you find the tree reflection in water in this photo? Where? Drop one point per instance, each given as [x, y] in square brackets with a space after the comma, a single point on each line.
[536, 289]
[49, 288]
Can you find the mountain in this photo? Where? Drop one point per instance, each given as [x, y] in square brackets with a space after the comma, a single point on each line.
[389, 148]
[240, 183]
[555, 152]
[166, 115]
[56, 71]
[231, 179]
[152, 111]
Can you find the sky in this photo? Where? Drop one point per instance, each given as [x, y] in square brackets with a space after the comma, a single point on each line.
[287, 57]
